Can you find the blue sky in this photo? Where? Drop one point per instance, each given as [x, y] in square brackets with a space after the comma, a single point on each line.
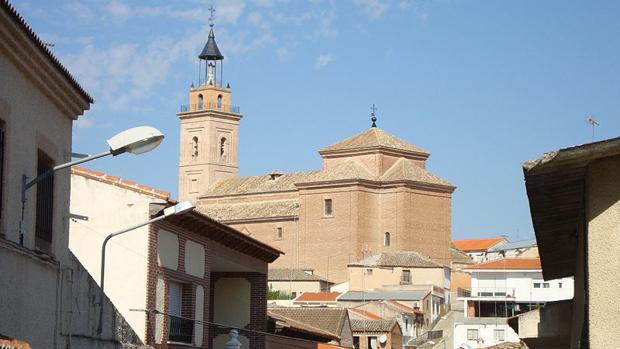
[482, 85]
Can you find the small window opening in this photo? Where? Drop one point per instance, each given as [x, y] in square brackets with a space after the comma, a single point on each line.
[200, 102]
[328, 210]
[45, 204]
[279, 233]
[195, 147]
[223, 149]
[386, 239]
[219, 102]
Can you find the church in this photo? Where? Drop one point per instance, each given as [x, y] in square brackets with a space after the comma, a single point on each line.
[373, 193]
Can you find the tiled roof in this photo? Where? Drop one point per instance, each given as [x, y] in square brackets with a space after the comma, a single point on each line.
[374, 138]
[409, 259]
[364, 313]
[460, 257]
[405, 170]
[477, 244]
[297, 325]
[292, 275]
[317, 297]
[373, 325]
[406, 307]
[251, 210]
[509, 264]
[329, 320]
[21, 23]
[258, 184]
[118, 182]
[405, 295]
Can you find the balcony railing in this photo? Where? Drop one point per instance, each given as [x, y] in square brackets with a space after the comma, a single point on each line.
[487, 292]
[210, 106]
[181, 330]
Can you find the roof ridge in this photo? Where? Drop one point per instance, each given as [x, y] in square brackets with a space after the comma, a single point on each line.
[119, 182]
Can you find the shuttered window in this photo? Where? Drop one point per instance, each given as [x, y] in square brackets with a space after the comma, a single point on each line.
[45, 204]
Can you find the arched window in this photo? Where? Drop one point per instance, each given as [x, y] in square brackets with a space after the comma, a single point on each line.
[219, 102]
[386, 239]
[223, 149]
[200, 102]
[194, 147]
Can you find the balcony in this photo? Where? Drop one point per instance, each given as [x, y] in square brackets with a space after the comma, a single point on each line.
[233, 109]
[181, 330]
[487, 292]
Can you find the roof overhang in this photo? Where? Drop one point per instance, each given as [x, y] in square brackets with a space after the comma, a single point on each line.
[555, 186]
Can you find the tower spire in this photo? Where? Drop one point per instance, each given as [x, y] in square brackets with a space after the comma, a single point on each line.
[211, 55]
[373, 118]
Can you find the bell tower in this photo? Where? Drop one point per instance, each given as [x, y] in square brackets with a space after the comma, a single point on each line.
[209, 138]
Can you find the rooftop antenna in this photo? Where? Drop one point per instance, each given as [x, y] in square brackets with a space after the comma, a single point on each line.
[49, 44]
[373, 117]
[592, 121]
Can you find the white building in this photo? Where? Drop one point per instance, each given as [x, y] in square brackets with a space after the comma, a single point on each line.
[482, 332]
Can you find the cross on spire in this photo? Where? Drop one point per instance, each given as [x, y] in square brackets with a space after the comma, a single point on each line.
[212, 16]
[373, 116]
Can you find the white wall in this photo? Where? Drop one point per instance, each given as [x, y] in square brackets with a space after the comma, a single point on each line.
[126, 255]
[485, 335]
[522, 283]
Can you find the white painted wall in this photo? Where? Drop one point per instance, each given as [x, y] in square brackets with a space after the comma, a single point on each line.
[522, 282]
[485, 334]
[126, 255]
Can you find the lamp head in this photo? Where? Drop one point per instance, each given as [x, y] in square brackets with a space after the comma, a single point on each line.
[179, 208]
[136, 140]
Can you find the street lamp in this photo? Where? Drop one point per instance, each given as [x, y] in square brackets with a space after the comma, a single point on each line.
[135, 140]
[177, 209]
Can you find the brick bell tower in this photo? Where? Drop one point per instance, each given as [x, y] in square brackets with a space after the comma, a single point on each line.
[209, 127]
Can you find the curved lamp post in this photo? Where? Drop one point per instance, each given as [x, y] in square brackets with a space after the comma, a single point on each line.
[179, 208]
[135, 140]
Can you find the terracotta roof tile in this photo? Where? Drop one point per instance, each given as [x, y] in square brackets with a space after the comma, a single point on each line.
[509, 264]
[121, 183]
[374, 138]
[409, 259]
[458, 256]
[373, 325]
[250, 210]
[330, 320]
[406, 307]
[284, 274]
[317, 297]
[477, 244]
[365, 314]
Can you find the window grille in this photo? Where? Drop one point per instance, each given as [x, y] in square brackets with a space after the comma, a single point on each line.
[45, 204]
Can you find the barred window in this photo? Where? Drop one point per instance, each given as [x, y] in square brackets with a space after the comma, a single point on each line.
[328, 211]
[45, 204]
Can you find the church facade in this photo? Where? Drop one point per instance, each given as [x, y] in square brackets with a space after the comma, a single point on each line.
[372, 195]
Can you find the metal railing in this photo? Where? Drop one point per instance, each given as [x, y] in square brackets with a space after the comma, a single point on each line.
[210, 106]
[493, 292]
[181, 330]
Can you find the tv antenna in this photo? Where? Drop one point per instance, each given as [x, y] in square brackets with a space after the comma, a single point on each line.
[594, 123]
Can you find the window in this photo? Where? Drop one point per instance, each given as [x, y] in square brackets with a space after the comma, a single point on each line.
[545, 285]
[499, 335]
[223, 149]
[195, 147]
[45, 204]
[472, 334]
[179, 307]
[356, 342]
[406, 277]
[328, 207]
[386, 239]
[219, 102]
[537, 285]
[368, 271]
[279, 233]
[293, 295]
[559, 285]
[372, 342]
[200, 102]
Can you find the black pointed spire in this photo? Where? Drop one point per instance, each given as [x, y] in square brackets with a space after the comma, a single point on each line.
[210, 51]
[373, 117]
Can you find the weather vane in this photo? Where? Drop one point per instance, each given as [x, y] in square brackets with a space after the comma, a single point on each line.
[372, 114]
[212, 17]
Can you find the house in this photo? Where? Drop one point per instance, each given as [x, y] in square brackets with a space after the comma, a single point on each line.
[293, 282]
[186, 270]
[398, 269]
[428, 302]
[483, 332]
[505, 287]
[477, 249]
[410, 319]
[375, 334]
[331, 323]
[574, 202]
[514, 249]
[317, 299]
[47, 299]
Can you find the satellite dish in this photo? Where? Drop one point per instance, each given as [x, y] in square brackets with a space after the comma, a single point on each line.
[383, 339]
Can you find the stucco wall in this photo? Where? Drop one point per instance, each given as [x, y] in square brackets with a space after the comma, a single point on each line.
[359, 278]
[485, 332]
[126, 255]
[520, 284]
[603, 212]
